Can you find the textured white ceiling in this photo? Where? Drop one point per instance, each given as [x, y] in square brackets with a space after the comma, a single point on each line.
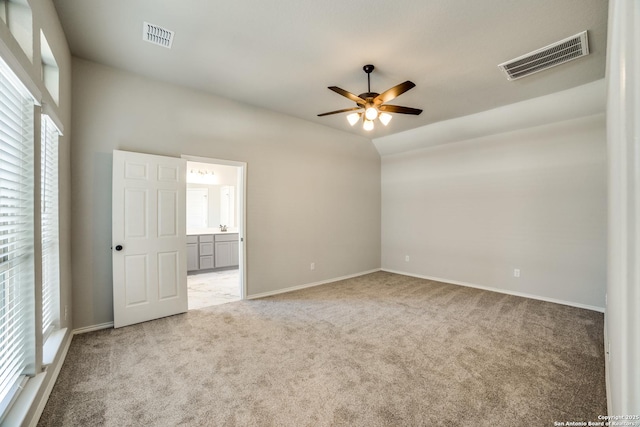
[282, 55]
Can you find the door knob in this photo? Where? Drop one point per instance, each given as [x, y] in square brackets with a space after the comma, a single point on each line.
[118, 247]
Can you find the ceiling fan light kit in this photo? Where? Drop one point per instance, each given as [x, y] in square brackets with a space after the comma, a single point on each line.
[371, 105]
[353, 118]
[367, 125]
[371, 113]
[385, 118]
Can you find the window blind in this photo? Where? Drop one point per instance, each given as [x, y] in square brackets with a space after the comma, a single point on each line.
[49, 221]
[17, 355]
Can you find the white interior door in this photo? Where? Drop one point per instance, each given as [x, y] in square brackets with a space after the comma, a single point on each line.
[149, 237]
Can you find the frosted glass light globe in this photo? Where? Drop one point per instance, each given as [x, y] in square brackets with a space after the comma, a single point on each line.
[385, 118]
[353, 118]
[371, 113]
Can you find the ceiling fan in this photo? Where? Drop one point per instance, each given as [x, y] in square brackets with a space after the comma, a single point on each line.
[372, 104]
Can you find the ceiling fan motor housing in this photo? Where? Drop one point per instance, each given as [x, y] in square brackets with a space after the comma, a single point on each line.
[368, 96]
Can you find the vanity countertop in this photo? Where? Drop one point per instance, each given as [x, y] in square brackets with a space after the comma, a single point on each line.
[213, 230]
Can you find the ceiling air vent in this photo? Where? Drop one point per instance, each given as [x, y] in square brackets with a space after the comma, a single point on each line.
[549, 56]
[157, 35]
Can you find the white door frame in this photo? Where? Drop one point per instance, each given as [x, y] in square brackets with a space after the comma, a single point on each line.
[242, 214]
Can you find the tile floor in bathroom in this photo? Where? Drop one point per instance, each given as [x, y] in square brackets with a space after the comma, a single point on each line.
[213, 288]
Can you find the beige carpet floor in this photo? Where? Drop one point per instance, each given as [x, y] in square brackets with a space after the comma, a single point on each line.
[377, 350]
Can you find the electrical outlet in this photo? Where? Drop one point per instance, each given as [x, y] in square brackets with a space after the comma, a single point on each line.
[66, 311]
[312, 266]
[516, 272]
[406, 258]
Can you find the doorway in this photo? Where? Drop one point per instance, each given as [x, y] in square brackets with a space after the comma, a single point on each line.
[215, 231]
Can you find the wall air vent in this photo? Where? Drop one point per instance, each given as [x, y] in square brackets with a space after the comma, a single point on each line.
[549, 56]
[157, 35]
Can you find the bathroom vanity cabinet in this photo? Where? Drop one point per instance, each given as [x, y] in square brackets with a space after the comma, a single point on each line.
[210, 251]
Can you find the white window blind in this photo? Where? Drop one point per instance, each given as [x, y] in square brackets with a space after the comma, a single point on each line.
[17, 355]
[49, 220]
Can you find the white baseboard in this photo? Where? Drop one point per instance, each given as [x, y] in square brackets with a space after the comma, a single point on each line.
[92, 328]
[309, 285]
[502, 291]
[52, 381]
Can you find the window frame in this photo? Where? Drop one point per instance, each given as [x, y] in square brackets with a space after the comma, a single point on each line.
[17, 213]
[40, 343]
[50, 226]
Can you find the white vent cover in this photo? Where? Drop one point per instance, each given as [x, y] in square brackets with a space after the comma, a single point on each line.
[157, 35]
[549, 56]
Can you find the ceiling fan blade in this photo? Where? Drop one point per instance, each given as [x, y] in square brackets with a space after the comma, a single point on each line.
[399, 109]
[340, 111]
[394, 92]
[349, 95]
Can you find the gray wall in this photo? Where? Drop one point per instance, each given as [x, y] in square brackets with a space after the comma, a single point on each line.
[313, 193]
[472, 211]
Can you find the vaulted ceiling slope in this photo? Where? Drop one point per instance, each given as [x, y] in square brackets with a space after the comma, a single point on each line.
[283, 55]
